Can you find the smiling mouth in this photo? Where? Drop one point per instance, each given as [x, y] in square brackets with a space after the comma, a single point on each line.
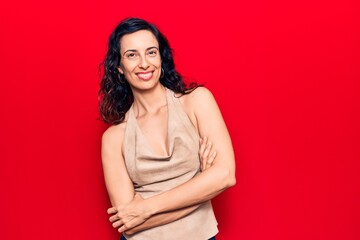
[145, 75]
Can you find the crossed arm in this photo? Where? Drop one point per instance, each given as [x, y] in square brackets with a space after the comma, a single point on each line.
[130, 213]
[207, 157]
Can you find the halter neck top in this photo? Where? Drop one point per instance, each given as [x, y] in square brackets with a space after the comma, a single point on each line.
[152, 174]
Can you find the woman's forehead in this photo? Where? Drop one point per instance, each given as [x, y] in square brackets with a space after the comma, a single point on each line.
[139, 40]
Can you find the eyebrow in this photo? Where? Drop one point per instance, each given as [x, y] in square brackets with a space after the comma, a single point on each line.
[133, 50]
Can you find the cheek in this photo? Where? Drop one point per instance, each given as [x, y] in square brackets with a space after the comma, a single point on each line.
[129, 67]
[156, 62]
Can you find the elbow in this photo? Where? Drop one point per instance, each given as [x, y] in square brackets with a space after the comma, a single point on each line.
[229, 179]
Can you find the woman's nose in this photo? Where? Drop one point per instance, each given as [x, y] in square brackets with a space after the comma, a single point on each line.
[144, 64]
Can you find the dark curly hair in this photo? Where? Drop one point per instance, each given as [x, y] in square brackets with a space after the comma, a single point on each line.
[115, 94]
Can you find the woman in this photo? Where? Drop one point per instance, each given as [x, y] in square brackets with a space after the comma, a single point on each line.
[160, 169]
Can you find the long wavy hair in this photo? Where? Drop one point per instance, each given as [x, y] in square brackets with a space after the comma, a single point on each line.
[115, 94]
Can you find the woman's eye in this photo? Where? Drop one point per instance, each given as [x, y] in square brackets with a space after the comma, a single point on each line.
[152, 53]
[131, 55]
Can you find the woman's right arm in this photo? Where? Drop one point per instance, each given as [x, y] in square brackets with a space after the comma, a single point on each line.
[118, 183]
[120, 187]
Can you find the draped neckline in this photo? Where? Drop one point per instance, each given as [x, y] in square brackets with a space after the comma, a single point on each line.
[168, 140]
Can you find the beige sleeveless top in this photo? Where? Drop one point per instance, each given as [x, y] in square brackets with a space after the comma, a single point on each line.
[153, 174]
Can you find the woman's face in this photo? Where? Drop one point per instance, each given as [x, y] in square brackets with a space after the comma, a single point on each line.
[140, 59]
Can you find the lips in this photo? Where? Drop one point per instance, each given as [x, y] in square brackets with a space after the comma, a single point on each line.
[145, 75]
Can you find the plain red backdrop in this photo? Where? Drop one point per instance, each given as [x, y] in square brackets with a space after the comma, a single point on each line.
[285, 75]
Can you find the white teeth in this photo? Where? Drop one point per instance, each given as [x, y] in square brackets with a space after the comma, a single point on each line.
[145, 75]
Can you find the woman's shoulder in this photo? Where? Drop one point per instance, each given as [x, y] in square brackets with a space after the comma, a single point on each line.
[114, 133]
[196, 102]
[196, 97]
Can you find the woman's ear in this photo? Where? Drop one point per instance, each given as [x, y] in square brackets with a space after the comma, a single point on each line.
[120, 70]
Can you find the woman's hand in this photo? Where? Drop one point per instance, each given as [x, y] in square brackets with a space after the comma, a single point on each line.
[130, 215]
[206, 156]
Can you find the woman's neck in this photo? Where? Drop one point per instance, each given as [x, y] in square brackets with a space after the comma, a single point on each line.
[149, 101]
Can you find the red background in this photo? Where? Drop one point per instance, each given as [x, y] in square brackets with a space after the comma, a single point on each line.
[285, 74]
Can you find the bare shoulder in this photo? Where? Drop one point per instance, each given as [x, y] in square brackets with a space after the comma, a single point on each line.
[199, 93]
[111, 143]
[199, 99]
[196, 103]
[113, 136]
[113, 132]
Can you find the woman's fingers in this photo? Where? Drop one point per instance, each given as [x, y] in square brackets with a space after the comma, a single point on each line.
[207, 149]
[210, 160]
[114, 218]
[129, 216]
[117, 224]
[207, 157]
[203, 142]
[130, 224]
[201, 151]
[112, 210]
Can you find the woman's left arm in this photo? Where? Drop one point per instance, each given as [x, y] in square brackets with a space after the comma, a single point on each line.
[203, 187]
